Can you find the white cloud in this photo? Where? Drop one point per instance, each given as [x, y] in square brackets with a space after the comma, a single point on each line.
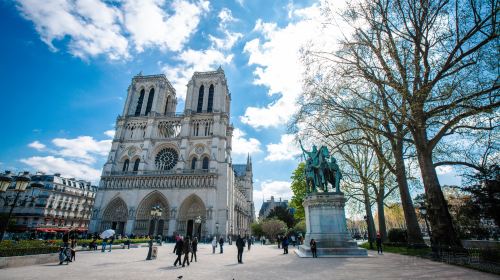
[242, 145]
[444, 169]
[276, 56]
[191, 61]
[286, 149]
[150, 25]
[37, 145]
[92, 26]
[67, 168]
[83, 148]
[95, 27]
[278, 189]
[230, 38]
[110, 133]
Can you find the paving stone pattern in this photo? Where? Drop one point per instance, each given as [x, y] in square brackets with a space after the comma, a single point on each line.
[261, 262]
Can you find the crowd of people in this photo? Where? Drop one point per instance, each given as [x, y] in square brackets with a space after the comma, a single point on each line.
[186, 248]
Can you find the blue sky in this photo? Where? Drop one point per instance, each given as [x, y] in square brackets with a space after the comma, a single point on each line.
[65, 67]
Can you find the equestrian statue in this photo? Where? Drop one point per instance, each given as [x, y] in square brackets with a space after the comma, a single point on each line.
[321, 169]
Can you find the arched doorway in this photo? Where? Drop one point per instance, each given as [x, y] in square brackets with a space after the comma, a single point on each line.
[145, 224]
[191, 212]
[115, 216]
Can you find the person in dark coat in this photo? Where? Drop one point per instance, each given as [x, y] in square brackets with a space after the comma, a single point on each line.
[240, 244]
[279, 241]
[178, 251]
[194, 247]
[379, 244]
[314, 248]
[284, 244]
[221, 243]
[186, 248]
[249, 242]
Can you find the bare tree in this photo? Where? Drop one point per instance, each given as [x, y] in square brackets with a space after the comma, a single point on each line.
[435, 65]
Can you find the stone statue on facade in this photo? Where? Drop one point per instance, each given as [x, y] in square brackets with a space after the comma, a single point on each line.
[321, 169]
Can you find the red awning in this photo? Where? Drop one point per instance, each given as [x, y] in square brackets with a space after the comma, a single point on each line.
[49, 230]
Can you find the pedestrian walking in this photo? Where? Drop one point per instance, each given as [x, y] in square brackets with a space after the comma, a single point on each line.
[229, 240]
[111, 240]
[178, 250]
[293, 240]
[240, 245]
[104, 244]
[73, 249]
[379, 244]
[214, 244]
[313, 247]
[186, 249]
[221, 244]
[284, 244]
[249, 242]
[279, 241]
[194, 247]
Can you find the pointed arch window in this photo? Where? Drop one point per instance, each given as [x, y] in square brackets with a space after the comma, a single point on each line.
[150, 101]
[193, 163]
[138, 108]
[166, 105]
[136, 164]
[210, 98]
[125, 165]
[200, 99]
[205, 163]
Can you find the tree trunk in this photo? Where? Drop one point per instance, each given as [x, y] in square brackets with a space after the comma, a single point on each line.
[443, 232]
[380, 201]
[415, 237]
[369, 215]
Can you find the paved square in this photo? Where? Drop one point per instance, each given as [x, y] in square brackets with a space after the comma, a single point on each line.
[261, 262]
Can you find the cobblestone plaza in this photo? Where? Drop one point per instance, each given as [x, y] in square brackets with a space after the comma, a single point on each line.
[261, 262]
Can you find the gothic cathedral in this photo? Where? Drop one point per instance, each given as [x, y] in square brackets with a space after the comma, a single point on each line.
[171, 173]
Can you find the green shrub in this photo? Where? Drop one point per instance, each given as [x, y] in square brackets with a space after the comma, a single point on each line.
[397, 235]
[10, 252]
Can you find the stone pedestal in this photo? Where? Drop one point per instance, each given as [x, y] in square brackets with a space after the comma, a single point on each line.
[326, 223]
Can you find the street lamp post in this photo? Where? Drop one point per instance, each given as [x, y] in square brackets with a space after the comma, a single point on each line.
[423, 211]
[156, 212]
[22, 182]
[216, 228]
[197, 222]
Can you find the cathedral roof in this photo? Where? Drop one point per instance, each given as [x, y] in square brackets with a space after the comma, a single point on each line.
[240, 169]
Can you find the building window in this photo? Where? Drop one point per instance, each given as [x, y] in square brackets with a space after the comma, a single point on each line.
[200, 99]
[193, 163]
[136, 164]
[125, 165]
[205, 163]
[166, 159]
[210, 98]
[166, 105]
[139, 103]
[196, 129]
[150, 101]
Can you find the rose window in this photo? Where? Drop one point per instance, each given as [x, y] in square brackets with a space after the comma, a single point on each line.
[166, 159]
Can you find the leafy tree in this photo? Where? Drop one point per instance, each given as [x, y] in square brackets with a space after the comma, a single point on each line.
[282, 213]
[299, 191]
[300, 227]
[257, 229]
[273, 227]
[485, 193]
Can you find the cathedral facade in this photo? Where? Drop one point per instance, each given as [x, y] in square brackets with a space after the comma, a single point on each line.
[178, 163]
